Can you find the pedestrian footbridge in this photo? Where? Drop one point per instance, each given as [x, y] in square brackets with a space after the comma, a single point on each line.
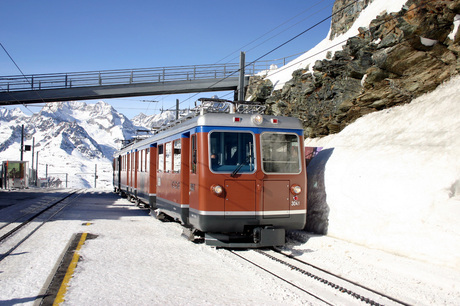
[40, 88]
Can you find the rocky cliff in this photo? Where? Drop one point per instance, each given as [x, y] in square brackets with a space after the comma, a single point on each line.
[397, 58]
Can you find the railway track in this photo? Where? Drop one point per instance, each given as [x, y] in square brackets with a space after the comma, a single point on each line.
[324, 286]
[22, 226]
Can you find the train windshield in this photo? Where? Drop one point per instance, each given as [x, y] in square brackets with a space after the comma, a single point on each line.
[280, 153]
[232, 152]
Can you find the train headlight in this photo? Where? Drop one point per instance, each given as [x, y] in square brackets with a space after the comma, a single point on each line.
[257, 119]
[217, 190]
[296, 189]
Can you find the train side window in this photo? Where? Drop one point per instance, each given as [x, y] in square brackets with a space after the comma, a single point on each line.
[168, 157]
[161, 158]
[194, 154]
[177, 156]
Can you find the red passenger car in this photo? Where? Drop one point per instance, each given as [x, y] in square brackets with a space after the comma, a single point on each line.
[228, 172]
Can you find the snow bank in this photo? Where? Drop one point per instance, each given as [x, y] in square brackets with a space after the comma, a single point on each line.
[392, 181]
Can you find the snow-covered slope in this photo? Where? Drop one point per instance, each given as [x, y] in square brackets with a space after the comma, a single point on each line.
[391, 180]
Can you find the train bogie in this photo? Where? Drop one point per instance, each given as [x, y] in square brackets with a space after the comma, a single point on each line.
[238, 178]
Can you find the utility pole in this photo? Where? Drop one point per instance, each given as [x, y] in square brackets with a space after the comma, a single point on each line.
[241, 78]
[36, 172]
[22, 143]
[33, 146]
[177, 109]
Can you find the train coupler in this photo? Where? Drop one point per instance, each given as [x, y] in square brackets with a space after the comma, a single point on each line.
[261, 237]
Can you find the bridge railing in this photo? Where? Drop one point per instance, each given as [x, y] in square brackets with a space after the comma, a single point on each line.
[116, 77]
[131, 76]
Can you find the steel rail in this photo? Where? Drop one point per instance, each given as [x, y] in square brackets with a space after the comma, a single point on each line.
[329, 283]
[34, 216]
[27, 213]
[335, 282]
[279, 277]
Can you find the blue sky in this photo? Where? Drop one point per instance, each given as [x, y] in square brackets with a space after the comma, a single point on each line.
[68, 36]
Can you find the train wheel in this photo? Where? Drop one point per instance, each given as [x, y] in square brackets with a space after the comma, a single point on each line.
[162, 216]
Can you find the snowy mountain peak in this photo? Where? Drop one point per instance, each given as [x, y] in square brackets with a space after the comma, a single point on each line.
[11, 114]
[153, 121]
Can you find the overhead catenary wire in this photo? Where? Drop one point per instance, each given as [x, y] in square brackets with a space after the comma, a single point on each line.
[272, 30]
[11, 58]
[287, 28]
[22, 73]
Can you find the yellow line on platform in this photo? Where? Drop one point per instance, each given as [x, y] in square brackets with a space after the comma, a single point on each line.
[73, 264]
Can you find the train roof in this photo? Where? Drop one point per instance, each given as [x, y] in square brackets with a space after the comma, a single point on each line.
[231, 117]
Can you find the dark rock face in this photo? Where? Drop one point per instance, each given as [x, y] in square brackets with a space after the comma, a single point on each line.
[344, 13]
[398, 58]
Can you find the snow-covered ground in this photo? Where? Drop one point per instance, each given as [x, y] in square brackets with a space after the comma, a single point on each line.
[136, 259]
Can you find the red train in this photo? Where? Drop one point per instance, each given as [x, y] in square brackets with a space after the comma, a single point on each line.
[227, 172]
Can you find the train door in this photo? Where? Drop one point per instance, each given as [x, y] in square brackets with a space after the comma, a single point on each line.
[135, 169]
[193, 178]
[151, 169]
[119, 163]
[184, 145]
[128, 170]
[160, 169]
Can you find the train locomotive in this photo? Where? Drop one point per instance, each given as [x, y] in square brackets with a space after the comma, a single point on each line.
[225, 172]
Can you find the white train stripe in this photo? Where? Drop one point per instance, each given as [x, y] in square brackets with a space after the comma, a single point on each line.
[249, 213]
